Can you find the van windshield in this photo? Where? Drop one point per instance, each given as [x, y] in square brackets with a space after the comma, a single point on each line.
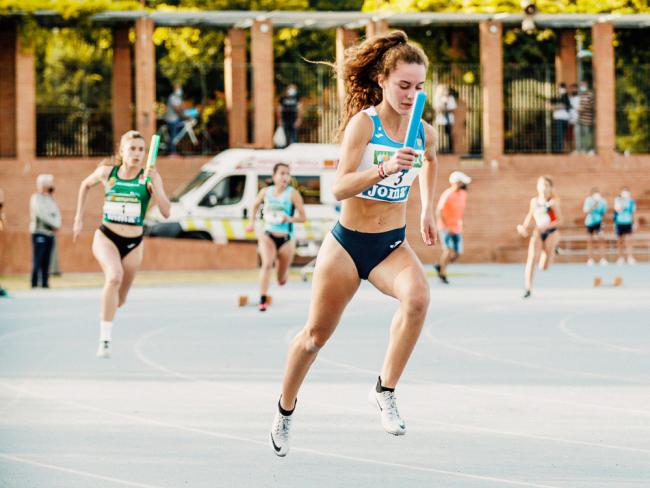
[198, 180]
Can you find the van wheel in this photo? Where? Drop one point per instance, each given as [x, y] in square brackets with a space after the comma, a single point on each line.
[202, 236]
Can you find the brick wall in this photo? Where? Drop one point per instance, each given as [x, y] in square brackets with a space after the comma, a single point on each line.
[497, 201]
[498, 198]
[8, 91]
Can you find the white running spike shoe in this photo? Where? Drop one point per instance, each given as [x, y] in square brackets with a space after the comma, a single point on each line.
[385, 403]
[104, 349]
[279, 437]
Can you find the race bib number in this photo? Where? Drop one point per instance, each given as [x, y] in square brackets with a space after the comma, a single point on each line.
[124, 212]
[384, 156]
[274, 217]
[273, 214]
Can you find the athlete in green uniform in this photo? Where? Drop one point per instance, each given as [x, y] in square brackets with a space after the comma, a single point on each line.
[117, 244]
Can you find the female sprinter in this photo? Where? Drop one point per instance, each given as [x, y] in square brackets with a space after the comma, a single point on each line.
[117, 245]
[373, 179]
[281, 201]
[544, 209]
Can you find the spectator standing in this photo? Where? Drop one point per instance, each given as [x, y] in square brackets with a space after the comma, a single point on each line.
[2, 214]
[595, 208]
[3, 292]
[289, 113]
[45, 220]
[445, 104]
[586, 119]
[624, 213]
[174, 116]
[574, 101]
[561, 107]
[54, 259]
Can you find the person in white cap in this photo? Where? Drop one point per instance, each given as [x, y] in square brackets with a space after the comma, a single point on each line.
[449, 213]
[45, 220]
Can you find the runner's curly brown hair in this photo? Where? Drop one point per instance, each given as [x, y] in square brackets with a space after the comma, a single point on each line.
[364, 62]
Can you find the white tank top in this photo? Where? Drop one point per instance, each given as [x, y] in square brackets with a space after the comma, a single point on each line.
[396, 187]
[543, 213]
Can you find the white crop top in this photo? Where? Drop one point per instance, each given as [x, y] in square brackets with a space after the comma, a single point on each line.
[396, 187]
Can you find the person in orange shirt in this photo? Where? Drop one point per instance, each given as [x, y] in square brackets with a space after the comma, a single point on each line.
[449, 214]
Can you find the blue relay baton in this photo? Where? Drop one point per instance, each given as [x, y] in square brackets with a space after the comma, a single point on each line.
[414, 124]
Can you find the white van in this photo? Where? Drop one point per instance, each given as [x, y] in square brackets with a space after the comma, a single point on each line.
[215, 205]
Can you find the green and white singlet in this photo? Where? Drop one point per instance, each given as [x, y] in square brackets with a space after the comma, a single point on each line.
[126, 201]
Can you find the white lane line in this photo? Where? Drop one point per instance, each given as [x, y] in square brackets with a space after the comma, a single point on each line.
[143, 358]
[463, 427]
[473, 428]
[220, 435]
[534, 366]
[564, 328]
[17, 333]
[473, 389]
[86, 474]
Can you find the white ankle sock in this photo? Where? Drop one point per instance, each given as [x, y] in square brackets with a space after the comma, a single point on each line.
[105, 329]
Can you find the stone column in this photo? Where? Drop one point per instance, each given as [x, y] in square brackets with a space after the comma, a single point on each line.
[25, 104]
[566, 67]
[235, 71]
[145, 78]
[376, 28]
[263, 83]
[604, 87]
[8, 90]
[344, 39]
[491, 46]
[122, 89]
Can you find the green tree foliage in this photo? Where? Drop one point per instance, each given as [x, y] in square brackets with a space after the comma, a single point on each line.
[68, 9]
[73, 68]
[265, 5]
[494, 6]
[632, 91]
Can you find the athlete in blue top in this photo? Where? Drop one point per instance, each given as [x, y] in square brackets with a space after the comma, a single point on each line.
[624, 224]
[595, 208]
[373, 179]
[283, 207]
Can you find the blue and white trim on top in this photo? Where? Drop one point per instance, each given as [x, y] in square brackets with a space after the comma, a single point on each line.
[381, 147]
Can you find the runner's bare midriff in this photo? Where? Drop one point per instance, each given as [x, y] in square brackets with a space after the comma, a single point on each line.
[365, 215]
[125, 230]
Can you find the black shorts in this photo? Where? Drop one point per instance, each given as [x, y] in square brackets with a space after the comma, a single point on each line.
[124, 244]
[279, 241]
[594, 229]
[623, 229]
[544, 235]
[368, 249]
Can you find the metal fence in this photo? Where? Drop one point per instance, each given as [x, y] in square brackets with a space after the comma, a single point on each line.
[633, 109]
[465, 135]
[73, 93]
[528, 117]
[205, 121]
[81, 125]
[317, 91]
[530, 98]
[68, 132]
